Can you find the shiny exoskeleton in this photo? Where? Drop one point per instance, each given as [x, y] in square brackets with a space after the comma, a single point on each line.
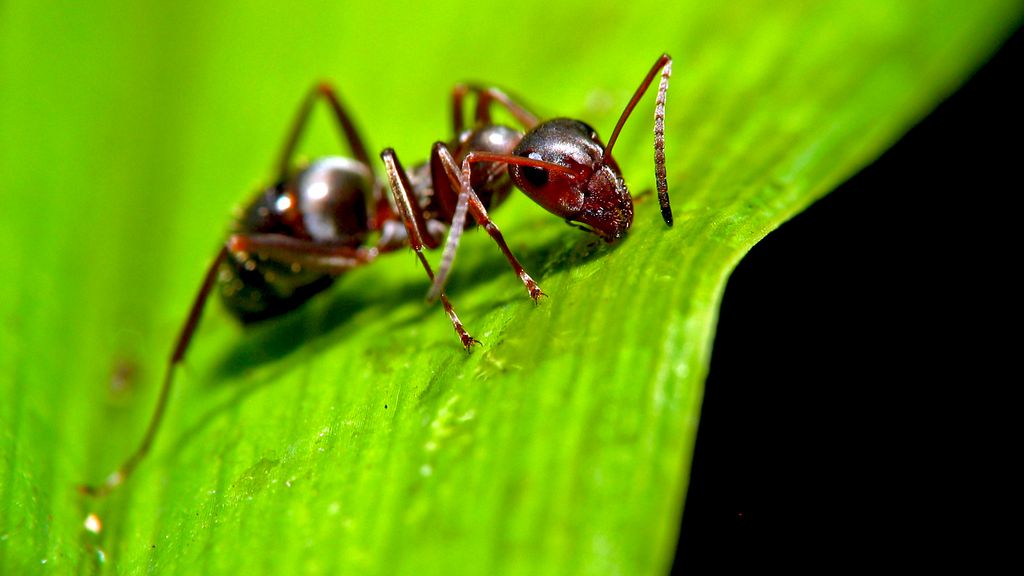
[324, 204]
[289, 243]
[561, 164]
[314, 224]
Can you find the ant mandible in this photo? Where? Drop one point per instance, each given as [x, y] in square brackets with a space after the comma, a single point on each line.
[560, 164]
[312, 225]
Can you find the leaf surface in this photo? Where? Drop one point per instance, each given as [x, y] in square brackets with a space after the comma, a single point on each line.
[355, 435]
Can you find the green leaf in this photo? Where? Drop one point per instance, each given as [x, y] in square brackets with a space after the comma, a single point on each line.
[355, 435]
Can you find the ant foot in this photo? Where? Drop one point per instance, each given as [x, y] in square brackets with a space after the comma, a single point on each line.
[531, 286]
[536, 293]
[468, 341]
[113, 481]
[88, 490]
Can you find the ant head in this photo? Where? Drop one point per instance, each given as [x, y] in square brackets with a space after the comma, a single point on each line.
[588, 191]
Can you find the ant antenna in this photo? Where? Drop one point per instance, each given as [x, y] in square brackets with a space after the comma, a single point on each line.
[664, 63]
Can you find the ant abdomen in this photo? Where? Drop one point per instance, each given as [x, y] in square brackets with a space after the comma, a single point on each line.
[328, 218]
[332, 198]
[326, 203]
[288, 244]
[256, 288]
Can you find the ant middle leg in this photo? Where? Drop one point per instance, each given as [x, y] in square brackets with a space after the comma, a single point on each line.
[416, 227]
[312, 256]
[119, 475]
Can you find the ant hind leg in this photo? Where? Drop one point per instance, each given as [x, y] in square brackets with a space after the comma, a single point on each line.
[345, 124]
[122, 473]
[484, 98]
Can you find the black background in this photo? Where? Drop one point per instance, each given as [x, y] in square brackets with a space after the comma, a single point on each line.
[859, 370]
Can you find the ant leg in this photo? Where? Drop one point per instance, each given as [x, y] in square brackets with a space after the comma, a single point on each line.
[664, 64]
[313, 256]
[382, 210]
[330, 260]
[415, 225]
[327, 92]
[184, 338]
[484, 98]
[468, 200]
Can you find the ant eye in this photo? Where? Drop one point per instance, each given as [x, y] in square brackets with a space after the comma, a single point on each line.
[537, 177]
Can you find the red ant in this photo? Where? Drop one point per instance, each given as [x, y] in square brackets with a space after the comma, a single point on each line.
[560, 164]
[298, 235]
[289, 243]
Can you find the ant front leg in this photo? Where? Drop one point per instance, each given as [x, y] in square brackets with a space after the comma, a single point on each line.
[484, 98]
[415, 225]
[468, 200]
[177, 355]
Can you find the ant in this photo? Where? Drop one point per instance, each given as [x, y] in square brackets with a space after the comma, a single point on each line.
[560, 164]
[314, 224]
[290, 242]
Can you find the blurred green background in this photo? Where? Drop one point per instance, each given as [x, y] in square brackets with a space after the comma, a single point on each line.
[356, 435]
